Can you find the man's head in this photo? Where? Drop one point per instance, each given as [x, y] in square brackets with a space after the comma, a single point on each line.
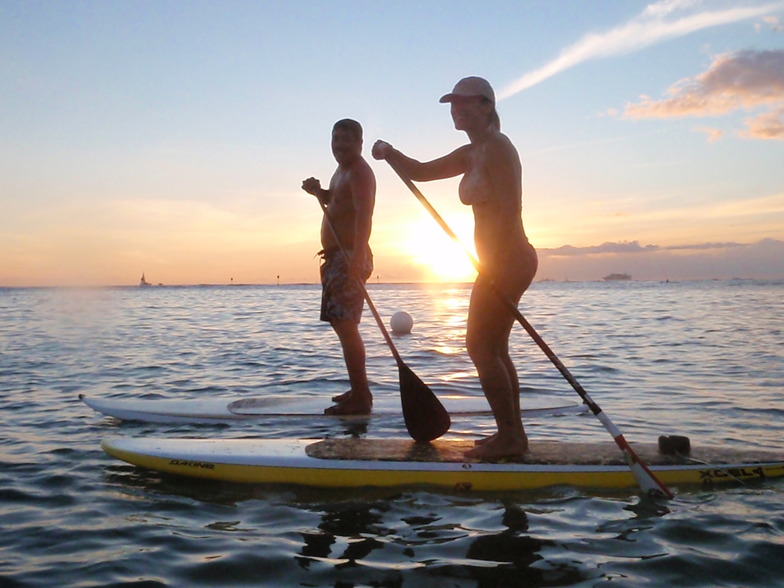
[349, 125]
[346, 140]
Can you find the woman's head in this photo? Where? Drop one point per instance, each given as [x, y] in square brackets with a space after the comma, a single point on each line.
[474, 87]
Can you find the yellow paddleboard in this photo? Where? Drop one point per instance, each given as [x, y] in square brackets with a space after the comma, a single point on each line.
[402, 462]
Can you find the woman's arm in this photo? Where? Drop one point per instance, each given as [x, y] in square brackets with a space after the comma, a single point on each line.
[448, 166]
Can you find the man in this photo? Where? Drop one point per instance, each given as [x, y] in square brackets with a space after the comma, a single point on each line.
[349, 200]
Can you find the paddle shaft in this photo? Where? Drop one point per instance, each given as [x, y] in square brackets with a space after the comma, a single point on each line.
[634, 461]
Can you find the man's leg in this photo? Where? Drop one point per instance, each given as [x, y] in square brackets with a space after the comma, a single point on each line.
[360, 400]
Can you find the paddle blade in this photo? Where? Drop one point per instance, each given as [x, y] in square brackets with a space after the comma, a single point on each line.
[647, 481]
[426, 418]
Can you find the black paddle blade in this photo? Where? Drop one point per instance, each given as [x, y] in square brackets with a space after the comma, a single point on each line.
[426, 418]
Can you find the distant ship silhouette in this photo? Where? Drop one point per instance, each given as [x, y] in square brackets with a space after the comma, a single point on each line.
[616, 277]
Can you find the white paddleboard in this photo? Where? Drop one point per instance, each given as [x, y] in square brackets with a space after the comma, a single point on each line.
[228, 410]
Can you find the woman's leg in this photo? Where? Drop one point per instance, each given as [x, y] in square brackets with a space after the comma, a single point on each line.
[487, 340]
[515, 385]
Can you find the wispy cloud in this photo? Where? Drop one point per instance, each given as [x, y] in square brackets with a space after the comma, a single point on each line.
[661, 21]
[712, 134]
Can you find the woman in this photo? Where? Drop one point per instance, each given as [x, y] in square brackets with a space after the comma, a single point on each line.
[492, 186]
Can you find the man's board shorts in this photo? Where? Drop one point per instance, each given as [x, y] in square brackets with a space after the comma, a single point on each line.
[342, 295]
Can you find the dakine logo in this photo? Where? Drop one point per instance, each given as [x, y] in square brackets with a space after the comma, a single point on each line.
[709, 475]
[192, 464]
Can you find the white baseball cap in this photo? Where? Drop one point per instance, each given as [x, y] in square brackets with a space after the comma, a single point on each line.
[471, 86]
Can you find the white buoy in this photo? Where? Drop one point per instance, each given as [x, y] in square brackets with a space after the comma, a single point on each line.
[401, 323]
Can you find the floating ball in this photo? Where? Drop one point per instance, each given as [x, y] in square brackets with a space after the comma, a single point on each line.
[401, 323]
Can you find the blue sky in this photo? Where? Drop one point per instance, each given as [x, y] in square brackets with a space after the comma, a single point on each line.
[171, 138]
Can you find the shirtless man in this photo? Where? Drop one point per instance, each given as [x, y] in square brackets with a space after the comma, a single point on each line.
[349, 200]
[492, 186]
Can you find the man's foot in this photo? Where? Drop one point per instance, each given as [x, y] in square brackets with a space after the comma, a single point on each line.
[350, 406]
[341, 397]
[497, 447]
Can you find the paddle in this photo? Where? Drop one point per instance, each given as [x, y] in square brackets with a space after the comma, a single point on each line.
[644, 476]
[425, 417]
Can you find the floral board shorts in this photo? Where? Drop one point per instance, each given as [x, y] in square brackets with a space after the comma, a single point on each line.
[342, 296]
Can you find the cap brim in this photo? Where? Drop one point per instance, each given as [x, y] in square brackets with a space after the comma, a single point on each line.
[452, 95]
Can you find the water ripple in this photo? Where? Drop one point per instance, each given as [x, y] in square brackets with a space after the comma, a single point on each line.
[701, 359]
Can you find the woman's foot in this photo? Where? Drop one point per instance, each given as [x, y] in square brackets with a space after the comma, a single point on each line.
[484, 440]
[498, 447]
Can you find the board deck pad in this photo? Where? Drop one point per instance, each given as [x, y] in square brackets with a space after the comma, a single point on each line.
[548, 452]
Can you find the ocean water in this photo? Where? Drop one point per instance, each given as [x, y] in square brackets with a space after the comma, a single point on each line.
[703, 359]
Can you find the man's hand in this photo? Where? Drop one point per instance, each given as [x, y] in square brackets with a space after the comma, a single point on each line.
[312, 186]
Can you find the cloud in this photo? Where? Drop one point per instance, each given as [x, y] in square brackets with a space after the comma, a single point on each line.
[760, 260]
[769, 125]
[608, 247]
[773, 23]
[634, 247]
[713, 134]
[735, 81]
[661, 21]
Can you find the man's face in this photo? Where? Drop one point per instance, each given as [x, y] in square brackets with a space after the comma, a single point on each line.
[345, 146]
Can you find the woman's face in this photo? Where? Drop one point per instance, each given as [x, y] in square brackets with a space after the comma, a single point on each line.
[470, 113]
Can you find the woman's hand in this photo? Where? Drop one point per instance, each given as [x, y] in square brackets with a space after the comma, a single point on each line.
[381, 149]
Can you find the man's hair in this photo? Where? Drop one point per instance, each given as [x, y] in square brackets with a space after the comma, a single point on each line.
[349, 125]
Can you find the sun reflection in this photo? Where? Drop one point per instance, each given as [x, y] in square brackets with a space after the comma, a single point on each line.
[460, 376]
[448, 350]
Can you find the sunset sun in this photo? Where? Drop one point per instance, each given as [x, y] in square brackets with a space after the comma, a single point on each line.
[441, 258]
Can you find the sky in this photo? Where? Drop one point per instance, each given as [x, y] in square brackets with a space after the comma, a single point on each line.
[171, 138]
